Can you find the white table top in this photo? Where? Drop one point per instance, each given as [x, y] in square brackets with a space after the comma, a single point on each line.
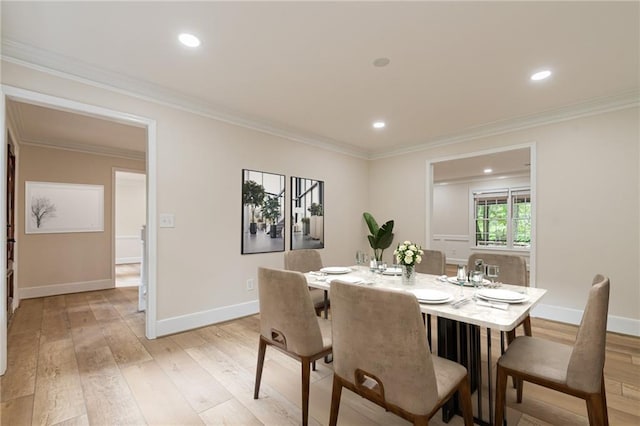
[470, 312]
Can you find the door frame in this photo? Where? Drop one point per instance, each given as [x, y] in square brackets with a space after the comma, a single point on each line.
[21, 95]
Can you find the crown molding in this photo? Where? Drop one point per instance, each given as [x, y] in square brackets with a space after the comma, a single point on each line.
[85, 148]
[71, 69]
[68, 68]
[597, 106]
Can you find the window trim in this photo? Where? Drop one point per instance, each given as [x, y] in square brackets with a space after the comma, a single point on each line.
[510, 193]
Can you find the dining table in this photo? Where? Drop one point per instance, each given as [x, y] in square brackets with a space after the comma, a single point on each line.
[461, 309]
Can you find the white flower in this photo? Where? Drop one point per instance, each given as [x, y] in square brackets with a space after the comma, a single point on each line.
[402, 248]
[406, 243]
[412, 247]
[420, 252]
[408, 260]
[418, 259]
[408, 253]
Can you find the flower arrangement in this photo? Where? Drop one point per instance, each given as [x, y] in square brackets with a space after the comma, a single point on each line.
[408, 253]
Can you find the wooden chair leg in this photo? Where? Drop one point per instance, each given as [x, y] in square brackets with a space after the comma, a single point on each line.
[511, 336]
[335, 401]
[261, 351]
[306, 379]
[519, 386]
[597, 407]
[501, 390]
[465, 398]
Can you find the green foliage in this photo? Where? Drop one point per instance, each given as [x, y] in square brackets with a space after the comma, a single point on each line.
[252, 195]
[271, 209]
[315, 209]
[381, 236]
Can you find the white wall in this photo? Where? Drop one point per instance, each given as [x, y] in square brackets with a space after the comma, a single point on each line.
[201, 275]
[587, 208]
[130, 215]
[452, 210]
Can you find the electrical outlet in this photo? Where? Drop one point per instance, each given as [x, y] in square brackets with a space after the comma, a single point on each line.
[250, 284]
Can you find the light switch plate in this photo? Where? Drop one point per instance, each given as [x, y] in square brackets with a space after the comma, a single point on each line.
[167, 220]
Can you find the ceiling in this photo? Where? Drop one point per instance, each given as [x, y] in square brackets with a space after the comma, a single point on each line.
[305, 70]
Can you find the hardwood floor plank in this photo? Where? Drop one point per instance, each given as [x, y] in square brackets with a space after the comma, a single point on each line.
[271, 408]
[106, 393]
[17, 411]
[124, 344]
[229, 413]
[158, 398]
[22, 361]
[58, 393]
[198, 387]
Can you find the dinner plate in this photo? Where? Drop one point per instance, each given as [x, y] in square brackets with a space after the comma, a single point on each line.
[350, 280]
[392, 271]
[336, 270]
[428, 295]
[501, 295]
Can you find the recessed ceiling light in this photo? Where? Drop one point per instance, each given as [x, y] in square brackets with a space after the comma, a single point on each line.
[487, 171]
[540, 75]
[189, 40]
[379, 124]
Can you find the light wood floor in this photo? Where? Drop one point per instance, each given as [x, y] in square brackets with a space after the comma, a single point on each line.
[83, 359]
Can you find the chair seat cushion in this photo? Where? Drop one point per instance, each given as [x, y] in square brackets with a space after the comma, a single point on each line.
[325, 329]
[538, 357]
[448, 375]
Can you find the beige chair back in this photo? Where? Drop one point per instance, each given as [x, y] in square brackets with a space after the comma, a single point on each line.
[589, 348]
[434, 262]
[305, 260]
[380, 332]
[513, 269]
[287, 315]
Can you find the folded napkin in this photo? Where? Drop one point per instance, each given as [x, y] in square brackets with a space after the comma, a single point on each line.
[497, 305]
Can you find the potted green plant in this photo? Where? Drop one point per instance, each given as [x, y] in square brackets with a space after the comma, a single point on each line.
[317, 221]
[252, 196]
[271, 212]
[305, 225]
[381, 236]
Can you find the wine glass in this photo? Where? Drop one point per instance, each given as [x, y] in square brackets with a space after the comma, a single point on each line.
[476, 279]
[492, 273]
[461, 277]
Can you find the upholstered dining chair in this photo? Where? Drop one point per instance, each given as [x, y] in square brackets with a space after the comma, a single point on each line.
[289, 324]
[307, 260]
[380, 352]
[576, 370]
[513, 270]
[434, 262]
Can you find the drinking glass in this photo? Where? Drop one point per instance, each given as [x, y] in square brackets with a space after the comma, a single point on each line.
[359, 258]
[476, 279]
[461, 277]
[381, 266]
[492, 272]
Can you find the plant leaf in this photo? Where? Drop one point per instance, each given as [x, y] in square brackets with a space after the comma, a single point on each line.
[371, 223]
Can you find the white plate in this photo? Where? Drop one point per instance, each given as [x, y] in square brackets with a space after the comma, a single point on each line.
[436, 302]
[428, 295]
[501, 295]
[392, 271]
[350, 280]
[336, 270]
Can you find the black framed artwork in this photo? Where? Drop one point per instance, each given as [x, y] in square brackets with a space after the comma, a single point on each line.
[263, 219]
[307, 213]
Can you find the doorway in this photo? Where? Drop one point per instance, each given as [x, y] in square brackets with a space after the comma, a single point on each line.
[10, 93]
[130, 213]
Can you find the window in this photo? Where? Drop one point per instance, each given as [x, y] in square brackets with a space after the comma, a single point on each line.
[502, 218]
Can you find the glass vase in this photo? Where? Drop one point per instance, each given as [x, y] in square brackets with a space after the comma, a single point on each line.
[408, 275]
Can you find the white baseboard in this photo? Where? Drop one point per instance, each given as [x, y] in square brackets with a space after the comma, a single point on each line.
[64, 288]
[204, 318]
[615, 324]
[126, 260]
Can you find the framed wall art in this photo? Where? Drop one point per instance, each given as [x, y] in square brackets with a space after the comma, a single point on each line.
[307, 213]
[63, 207]
[263, 220]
